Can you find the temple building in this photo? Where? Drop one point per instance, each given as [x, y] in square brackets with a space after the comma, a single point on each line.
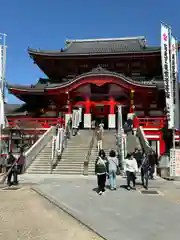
[96, 75]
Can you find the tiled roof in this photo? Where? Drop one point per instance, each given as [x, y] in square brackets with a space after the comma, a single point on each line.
[106, 45]
[14, 109]
[101, 46]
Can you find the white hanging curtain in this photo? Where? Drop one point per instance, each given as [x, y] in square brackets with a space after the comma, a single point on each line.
[2, 115]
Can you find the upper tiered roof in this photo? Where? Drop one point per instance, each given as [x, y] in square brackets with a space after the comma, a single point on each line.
[100, 46]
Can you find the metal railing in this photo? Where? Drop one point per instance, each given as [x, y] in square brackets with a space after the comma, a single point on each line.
[60, 144]
[86, 162]
[31, 153]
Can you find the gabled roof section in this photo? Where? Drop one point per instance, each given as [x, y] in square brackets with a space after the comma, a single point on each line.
[109, 45]
[100, 46]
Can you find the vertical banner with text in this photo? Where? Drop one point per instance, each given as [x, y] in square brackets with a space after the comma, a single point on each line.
[166, 70]
[1, 67]
[174, 76]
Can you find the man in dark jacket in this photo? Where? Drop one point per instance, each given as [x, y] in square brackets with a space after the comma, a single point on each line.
[11, 164]
[138, 156]
[145, 171]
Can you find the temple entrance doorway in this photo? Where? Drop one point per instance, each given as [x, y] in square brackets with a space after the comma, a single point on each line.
[100, 114]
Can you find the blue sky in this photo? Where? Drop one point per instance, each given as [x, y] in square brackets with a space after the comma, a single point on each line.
[46, 24]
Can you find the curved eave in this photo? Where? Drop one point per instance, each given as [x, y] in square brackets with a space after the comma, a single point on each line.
[107, 74]
[24, 89]
[128, 81]
[34, 53]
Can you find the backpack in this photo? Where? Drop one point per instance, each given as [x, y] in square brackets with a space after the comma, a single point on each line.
[10, 160]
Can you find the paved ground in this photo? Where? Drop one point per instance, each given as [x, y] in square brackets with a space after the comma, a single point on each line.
[26, 215]
[118, 214]
[115, 215]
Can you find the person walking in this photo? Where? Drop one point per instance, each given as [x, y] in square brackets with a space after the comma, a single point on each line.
[101, 126]
[152, 162]
[11, 166]
[101, 170]
[21, 162]
[145, 167]
[131, 169]
[113, 164]
[99, 139]
[138, 156]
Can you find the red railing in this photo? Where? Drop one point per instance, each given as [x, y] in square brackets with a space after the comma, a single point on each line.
[36, 122]
[151, 122]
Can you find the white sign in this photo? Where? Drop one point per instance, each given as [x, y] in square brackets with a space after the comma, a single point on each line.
[174, 76]
[165, 59]
[175, 162]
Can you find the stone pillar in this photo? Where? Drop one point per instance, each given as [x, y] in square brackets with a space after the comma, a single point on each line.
[87, 114]
[111, 115]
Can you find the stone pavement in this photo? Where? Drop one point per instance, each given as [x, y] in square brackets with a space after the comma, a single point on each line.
[24, 215]
[116, 214]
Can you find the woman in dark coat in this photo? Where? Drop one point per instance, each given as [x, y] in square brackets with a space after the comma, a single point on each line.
[101, 169]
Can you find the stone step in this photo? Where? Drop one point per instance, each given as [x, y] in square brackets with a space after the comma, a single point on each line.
[73, 159]
[38, 172]
[68, 169]
[70, 166]
[68, 173]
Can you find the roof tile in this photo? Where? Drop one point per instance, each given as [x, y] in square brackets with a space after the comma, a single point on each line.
[106, 45]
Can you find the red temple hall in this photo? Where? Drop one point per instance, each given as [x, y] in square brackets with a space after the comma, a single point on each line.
[96, 75]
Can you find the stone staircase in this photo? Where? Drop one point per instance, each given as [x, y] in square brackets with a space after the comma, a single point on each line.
[42, 164]
[109, 143]
[73, 157]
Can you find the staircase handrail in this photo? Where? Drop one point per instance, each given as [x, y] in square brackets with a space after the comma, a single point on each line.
[143, 140]
[86, 162]
[57, 154]
[37, 147]
[121, 144]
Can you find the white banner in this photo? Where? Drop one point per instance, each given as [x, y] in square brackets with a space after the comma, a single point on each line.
[174, 76]
[1, 66]
[2, 114]
[166, 69]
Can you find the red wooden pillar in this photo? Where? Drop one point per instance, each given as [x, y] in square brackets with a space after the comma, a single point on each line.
[69, 107]
[87, 106]
[87, 115]
[162, 144]
[131, 110]
[112, 105]
[111, 116]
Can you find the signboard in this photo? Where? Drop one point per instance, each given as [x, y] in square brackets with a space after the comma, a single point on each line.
[174, 162]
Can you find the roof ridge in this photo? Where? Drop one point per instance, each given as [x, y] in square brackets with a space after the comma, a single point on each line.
[105, 39]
